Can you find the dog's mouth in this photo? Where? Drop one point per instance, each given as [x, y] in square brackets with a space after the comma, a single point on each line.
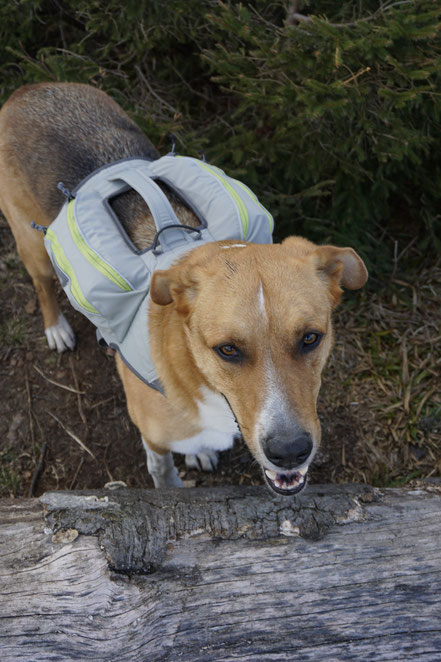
[286, 483]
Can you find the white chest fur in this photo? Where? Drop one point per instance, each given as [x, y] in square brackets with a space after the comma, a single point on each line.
[217, 423]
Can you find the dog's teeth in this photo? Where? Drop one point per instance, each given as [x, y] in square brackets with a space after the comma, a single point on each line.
[287, 481]
[303, 471]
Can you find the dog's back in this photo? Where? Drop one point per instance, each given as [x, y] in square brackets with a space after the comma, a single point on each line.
[54, 132]
[71, 130]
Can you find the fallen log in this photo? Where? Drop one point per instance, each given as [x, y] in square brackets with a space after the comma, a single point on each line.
[198, 575]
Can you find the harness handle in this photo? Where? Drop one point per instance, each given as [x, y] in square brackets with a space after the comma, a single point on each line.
[160, 207]
[182, 227]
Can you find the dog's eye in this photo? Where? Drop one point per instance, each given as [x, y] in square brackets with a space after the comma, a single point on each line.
[310, 341]
[228, 352]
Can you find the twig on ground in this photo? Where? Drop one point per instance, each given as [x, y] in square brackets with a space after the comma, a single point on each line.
[29, 401]
[72, 435]
[39, 467]
[78, 392]
[101, 402]
[5, 356]
[111, 478]
[51, 381]
[38, 470]
[74, 479]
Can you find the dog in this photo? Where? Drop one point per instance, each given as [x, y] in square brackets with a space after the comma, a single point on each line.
[239, 332]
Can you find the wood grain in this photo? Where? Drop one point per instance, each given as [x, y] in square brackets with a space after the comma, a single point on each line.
[342, 573]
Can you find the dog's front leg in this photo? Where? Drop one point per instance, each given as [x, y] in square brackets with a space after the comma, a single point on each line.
[161, 468]
[158, 422]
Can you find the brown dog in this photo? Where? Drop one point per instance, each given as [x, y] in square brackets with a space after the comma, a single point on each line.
[239, 332]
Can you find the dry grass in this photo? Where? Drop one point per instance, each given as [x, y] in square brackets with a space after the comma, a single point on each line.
[388, 357]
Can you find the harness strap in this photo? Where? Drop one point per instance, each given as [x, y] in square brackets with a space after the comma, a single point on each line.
[160, 207]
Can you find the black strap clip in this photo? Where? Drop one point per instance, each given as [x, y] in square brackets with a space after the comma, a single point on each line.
[40, 228]
[65, 191]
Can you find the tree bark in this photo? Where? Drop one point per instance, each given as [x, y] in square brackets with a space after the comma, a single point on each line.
[199, 575]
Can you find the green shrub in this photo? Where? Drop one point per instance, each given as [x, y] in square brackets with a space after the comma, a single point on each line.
[337, 116]
[333, 119]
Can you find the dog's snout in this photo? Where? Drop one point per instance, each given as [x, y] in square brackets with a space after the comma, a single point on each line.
[288, 453]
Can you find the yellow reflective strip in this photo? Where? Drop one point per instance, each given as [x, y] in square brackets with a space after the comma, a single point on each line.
[65, 266]
[251, 194]
[254, 197]
[90, 255]
[236, 197]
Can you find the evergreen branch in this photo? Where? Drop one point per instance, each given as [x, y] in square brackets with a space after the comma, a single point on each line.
[294, 18]
[152, 91]
[355, 76]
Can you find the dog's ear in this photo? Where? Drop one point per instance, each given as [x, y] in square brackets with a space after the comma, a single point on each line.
[181, 282]
[160, 287]
[178, 284]
[342, 266]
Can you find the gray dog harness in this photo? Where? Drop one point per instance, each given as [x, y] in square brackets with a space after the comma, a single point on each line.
[103, 274]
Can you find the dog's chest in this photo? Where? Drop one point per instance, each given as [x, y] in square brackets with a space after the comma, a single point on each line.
[218, 427]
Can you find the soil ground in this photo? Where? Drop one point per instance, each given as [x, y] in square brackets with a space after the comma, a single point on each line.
[380, 403]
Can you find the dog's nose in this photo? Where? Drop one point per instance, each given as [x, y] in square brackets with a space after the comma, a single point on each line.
[288, 453]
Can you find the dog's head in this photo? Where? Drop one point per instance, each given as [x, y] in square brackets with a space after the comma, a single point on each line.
[258, 326]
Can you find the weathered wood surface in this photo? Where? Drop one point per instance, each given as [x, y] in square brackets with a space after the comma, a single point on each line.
[339, 573]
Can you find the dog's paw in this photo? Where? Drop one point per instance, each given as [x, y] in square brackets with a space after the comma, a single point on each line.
[161, 468]
[60, 336]
[169, 479]
[202, 461]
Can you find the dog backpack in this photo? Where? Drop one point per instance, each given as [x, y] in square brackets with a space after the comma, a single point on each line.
[103, 274]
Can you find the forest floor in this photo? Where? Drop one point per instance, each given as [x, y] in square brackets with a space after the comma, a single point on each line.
[380, 403]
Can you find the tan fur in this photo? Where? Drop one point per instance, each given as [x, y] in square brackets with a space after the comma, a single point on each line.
[262, 299]
[209, 307]
[19, 205]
